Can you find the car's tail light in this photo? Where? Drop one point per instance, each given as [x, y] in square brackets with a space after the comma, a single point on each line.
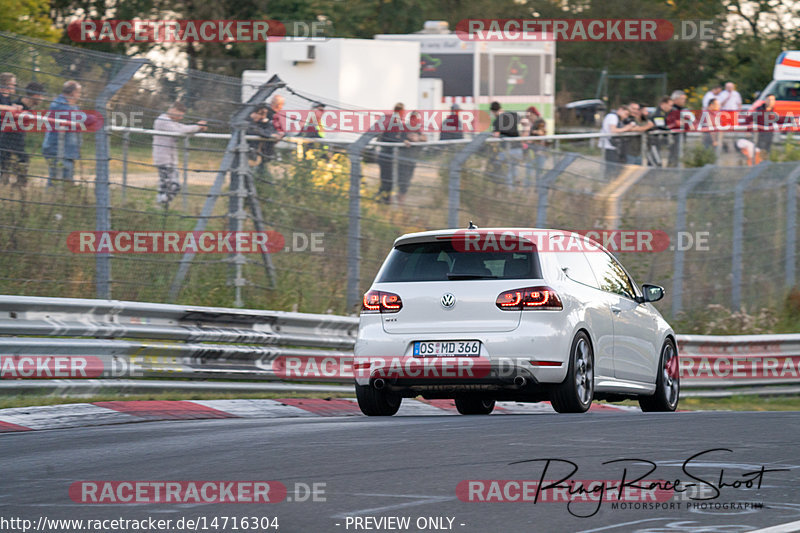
[529, 298]
[381, 302]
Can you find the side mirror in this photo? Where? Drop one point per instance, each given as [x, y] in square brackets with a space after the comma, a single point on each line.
[652, 293]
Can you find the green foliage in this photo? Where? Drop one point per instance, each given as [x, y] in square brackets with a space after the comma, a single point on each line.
[699, 156]
[28, 17]
[789, 152]
[718, 320]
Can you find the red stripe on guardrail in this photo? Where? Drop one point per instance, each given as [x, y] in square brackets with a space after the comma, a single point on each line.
[165, 410]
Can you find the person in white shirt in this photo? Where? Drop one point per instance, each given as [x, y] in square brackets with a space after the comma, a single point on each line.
[165, 150]
[730, 99]
[712, 94]
[612, 124]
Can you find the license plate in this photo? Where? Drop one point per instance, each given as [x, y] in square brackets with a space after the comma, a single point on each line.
[447, 348]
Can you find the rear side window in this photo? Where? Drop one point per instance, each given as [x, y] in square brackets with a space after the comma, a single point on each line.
[576, 267]
[439, 261]
[610, 274]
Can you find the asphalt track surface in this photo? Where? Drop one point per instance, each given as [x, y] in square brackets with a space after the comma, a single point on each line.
[410, 467]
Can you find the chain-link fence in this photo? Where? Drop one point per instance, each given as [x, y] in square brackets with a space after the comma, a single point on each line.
[338, 205]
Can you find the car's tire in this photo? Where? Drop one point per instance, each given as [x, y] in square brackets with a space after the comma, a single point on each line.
[668, 382]
[474, 406]
[373, 402]
[575, 393]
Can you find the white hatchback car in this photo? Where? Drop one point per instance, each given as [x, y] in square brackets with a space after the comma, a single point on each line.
[511, 314]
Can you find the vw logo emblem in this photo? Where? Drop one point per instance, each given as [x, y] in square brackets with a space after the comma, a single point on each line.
[448, 300]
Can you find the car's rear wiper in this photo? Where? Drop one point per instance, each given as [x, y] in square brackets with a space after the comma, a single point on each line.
[451, 275]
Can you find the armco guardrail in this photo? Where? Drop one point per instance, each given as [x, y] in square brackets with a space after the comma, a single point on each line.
[117, 339]
[133, 339]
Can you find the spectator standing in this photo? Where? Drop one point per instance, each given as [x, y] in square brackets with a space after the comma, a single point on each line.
[632, 146]
[729, 100]
[394, 133]
[452, 127]
[535, 123]
[13, 157]
[675, 123]
[711, 139]
[66, 101]
[165, 150]
[505, 124]
[766, 117]
[313, 129]
[613, 125]
[8, 84]
[657, 140]
[712, 94]
[409, 155]
[274, 126]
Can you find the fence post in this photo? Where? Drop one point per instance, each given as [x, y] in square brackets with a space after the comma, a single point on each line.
[261, 95]
[543, 186]
[395, 171]
[791, 225]
[738, 233]
[60, 157]
[239, 216]
[185, 172]
[454, 183]
[643, 148]
[354, 220]
[680, 227]
[102, 157]
[126, 139]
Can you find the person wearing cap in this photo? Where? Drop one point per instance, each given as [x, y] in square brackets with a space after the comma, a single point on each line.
[313, 128]
[452, 126]
[534, 124]
[14, 159]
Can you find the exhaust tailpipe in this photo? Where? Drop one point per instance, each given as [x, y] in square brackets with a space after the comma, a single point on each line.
[520, 381]
[379, 383]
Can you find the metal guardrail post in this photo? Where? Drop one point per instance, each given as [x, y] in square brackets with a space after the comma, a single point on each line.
[738, 233]
[680, 227]
[454, 184]
[126, 139]
[791, 226]
[543, 186]
[354, 221]
[680, 139]
[102, 157]
[185, 173]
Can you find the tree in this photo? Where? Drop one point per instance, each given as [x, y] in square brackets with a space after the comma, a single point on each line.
[28, 17]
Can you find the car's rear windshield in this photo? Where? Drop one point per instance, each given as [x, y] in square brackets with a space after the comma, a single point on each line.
[440, 261]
